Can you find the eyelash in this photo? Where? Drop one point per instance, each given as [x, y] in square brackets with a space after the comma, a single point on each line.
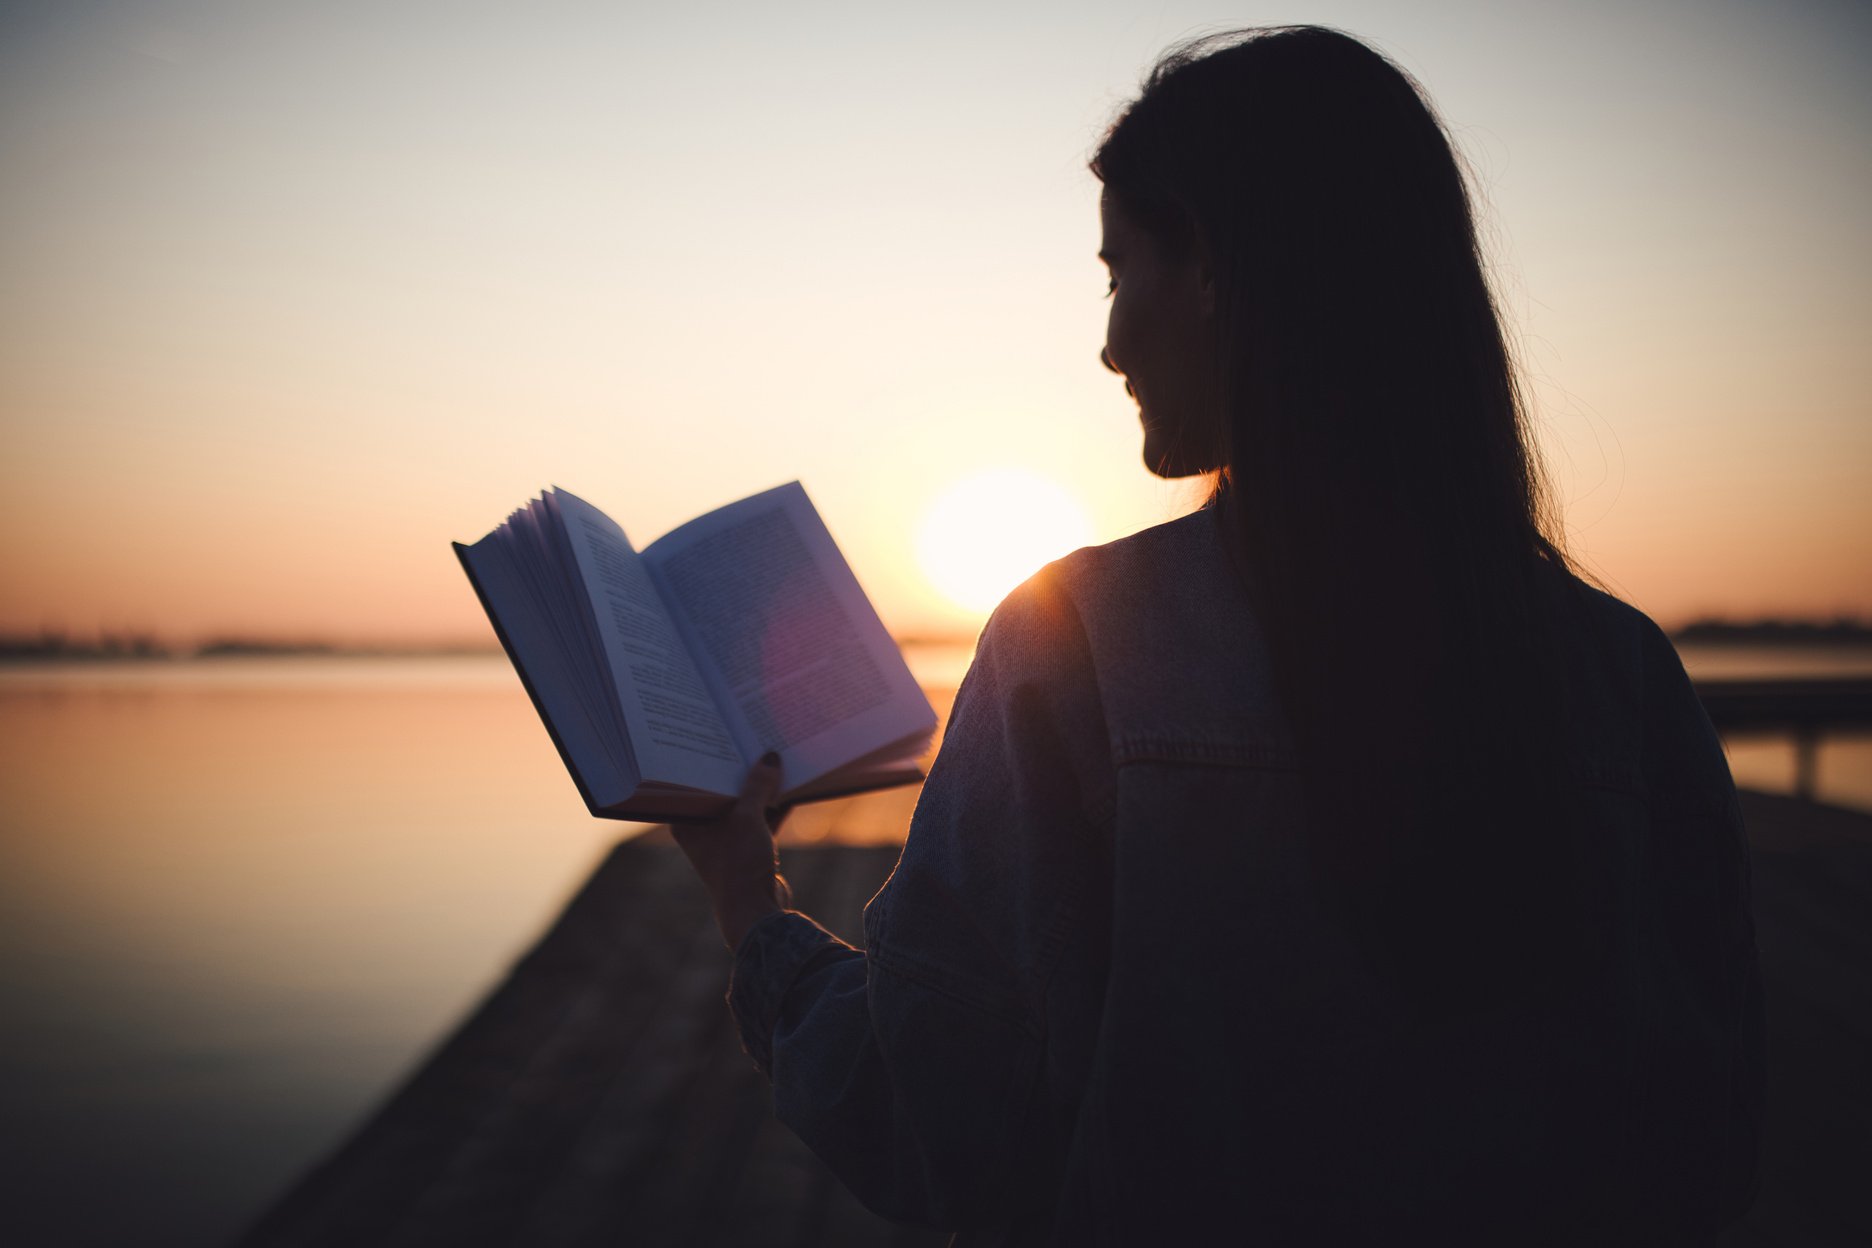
[1111, 287]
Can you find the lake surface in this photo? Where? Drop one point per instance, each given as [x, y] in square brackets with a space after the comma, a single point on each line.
[240, 898]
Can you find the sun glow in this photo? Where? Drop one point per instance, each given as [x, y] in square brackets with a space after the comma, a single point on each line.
[992, 530]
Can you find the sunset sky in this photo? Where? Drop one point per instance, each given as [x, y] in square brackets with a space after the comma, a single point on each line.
[292, 294]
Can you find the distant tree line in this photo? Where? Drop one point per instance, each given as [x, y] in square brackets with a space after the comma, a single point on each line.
[1841, 631]
[56, 645]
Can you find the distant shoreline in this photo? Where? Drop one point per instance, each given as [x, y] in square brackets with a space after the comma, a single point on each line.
[137, 648]
[16, 650]
[1843, 632]
[13, 651]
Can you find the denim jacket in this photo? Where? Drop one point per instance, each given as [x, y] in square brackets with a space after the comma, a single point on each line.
[1099, 1002]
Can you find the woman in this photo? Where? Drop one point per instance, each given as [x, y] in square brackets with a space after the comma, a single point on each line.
[1330, 864]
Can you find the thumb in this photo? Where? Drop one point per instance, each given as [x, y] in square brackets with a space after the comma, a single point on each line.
[761, 786]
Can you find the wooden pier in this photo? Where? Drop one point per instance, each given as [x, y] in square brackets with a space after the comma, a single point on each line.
[600, 1096]
[1804, 710]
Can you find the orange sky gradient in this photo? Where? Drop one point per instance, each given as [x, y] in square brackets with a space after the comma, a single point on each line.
[290, 298]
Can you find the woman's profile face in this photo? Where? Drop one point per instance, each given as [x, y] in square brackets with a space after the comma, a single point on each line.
[1160, 338]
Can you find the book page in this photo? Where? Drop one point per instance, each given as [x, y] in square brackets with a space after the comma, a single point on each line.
[552, 575]
[676, 731]
[576, 721]
[797, 657]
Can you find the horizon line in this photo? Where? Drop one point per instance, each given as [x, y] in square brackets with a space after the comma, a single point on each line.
[129, 644]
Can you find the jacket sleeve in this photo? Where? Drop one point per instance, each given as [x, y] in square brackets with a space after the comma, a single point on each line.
[1698, 865]
[937, 1071]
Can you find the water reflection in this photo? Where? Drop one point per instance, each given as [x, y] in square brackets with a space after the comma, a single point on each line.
[235, 909]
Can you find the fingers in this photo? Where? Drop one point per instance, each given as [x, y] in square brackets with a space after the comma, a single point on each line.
[761, 786]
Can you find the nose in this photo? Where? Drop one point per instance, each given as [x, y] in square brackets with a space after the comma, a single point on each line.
[1106, 360]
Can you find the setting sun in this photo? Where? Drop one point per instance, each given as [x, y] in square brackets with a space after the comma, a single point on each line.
[993, 529]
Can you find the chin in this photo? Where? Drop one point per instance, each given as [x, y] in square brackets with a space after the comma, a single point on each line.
[1172, 466]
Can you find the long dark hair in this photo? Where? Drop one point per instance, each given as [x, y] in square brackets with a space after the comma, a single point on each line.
[1381, 488]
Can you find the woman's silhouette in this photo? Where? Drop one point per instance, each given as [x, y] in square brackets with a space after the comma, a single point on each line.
[1330, 865]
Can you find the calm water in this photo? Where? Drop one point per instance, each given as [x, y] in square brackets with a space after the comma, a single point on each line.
[239, 899]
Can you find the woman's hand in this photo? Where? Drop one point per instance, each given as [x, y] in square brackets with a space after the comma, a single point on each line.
[735, 855]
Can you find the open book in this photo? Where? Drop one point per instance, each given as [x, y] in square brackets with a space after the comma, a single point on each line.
[662, 674]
